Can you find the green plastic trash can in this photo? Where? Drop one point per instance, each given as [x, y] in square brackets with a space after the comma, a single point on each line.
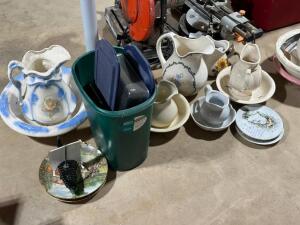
[122, 135]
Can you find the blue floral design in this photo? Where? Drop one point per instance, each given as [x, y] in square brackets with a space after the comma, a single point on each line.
[34, 99]
[31, 128]
[61, 93]
[4, 104]
[66, 70]
[74, 98]
[19, 77]
[178, 78]
[24, 108]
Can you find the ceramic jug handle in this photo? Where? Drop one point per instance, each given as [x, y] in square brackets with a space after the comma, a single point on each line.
[12, 65]
[158, 46]
[207, 89]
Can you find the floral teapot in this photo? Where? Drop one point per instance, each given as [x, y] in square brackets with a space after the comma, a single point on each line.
[186, 66]
[44, 96]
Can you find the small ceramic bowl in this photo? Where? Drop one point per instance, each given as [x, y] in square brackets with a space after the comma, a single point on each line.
[263, 93]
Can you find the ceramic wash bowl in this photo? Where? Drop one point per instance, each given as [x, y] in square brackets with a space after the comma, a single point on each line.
[261, 94]
[281, 70]
[10, 111]
[282, 44]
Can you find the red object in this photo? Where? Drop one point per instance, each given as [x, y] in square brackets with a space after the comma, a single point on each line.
[141, 19]
[129, 8]
[270, 14]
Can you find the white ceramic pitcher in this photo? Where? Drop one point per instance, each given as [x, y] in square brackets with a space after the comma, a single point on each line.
[164, 108]
[216, 108]
[218, 60]
[186, 66]
[246, 75]
[44, 97]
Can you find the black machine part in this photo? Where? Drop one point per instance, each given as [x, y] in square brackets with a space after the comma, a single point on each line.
[226, 18]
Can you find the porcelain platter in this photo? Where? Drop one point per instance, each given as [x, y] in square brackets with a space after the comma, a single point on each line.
[10, 111]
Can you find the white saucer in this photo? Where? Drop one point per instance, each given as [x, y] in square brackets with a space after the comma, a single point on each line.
[259, 142]
[11, 113]
[183, 115]
[263, 93]
[202, 124]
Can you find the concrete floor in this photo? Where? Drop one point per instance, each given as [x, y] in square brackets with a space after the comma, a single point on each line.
[189, 177]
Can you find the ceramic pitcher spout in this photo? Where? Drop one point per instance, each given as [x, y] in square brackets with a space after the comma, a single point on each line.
[186, 46]
[44, 62]
[215, 109]
[166, 90]
[216, 103]
[218, 60]
[251, 55]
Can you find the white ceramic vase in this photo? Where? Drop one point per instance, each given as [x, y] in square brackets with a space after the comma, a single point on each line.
[43, 96]
[186, 66]
[246, 75]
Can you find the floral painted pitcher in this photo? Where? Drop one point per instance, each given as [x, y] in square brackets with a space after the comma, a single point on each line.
[44, 96]
[186, 66]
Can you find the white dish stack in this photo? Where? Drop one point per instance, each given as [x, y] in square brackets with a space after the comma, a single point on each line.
[259, 125]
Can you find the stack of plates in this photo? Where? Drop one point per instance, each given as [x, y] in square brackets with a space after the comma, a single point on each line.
[259, 124]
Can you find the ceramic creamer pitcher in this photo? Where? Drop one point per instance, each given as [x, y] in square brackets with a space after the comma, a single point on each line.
[245, 75]
[186, 66]
[164, 108]
[44, 96]
[215, 108]
[218, 60]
